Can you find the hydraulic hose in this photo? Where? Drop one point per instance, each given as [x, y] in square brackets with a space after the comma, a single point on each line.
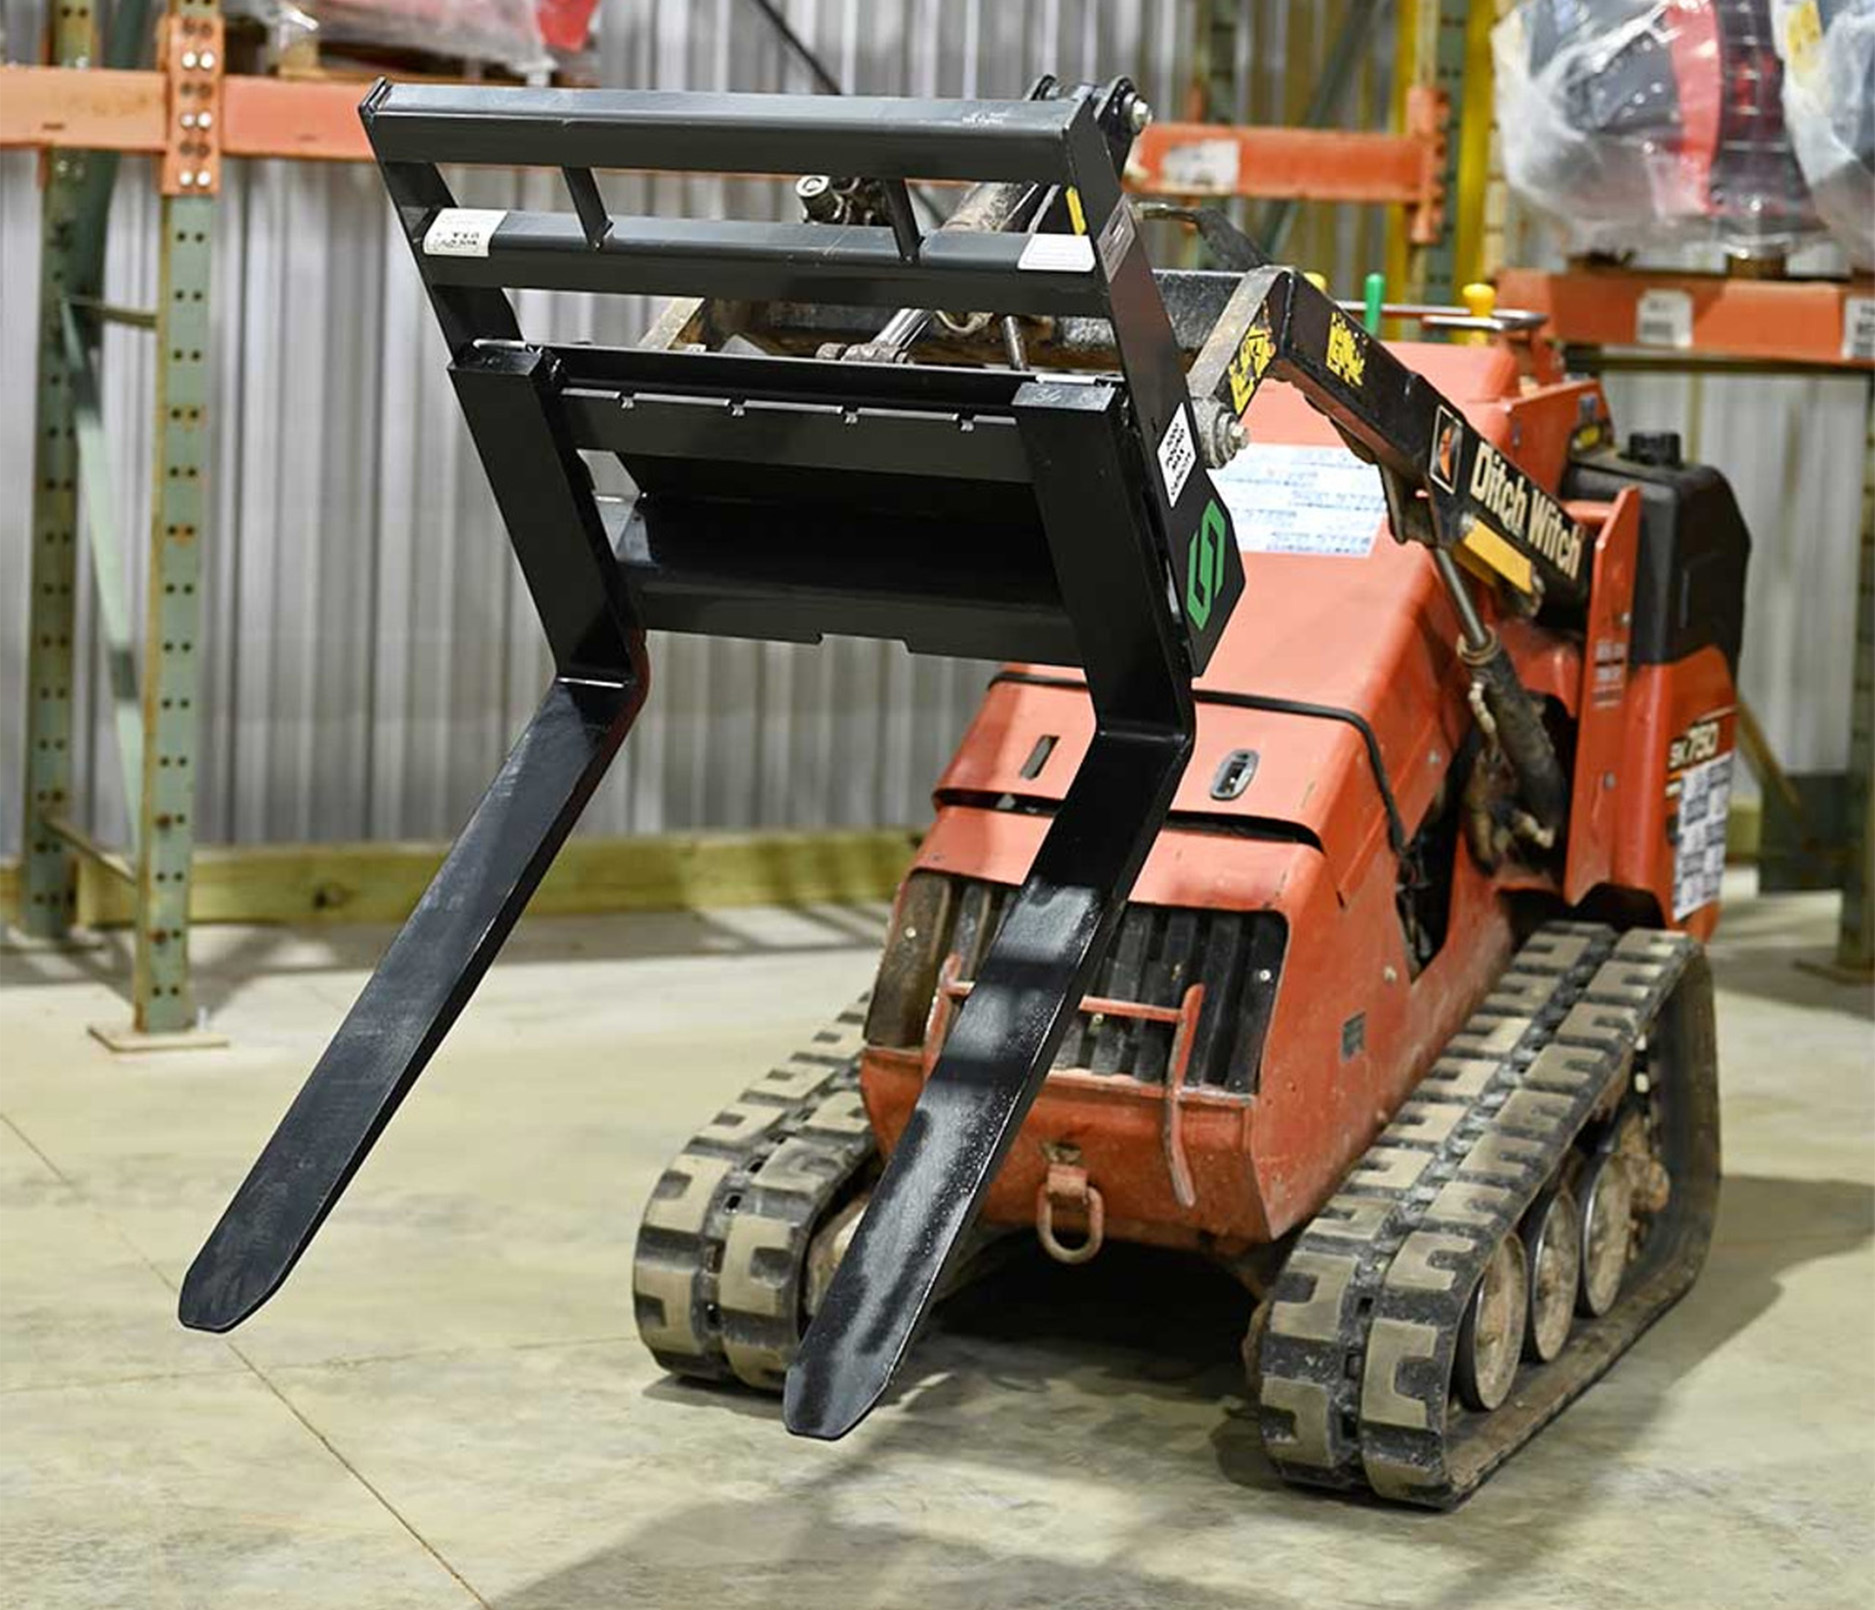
[1520, 732]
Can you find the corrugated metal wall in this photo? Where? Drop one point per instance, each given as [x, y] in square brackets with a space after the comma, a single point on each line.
[368, 649]
[1793, 450]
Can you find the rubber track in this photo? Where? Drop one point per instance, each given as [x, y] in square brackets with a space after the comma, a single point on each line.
[717, 1274]
[1364, 1319]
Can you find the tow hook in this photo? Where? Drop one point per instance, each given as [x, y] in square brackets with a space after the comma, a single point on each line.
[1067, 1187]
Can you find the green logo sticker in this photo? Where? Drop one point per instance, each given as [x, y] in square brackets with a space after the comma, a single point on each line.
[1204, 565]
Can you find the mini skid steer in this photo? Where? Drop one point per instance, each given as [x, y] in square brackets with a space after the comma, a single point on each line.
[1320, 885]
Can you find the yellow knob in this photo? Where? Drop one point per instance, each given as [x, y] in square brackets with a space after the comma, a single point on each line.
[1480, 302]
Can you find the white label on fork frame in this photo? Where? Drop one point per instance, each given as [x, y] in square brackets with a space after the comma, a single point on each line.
[1177, 455]
[462, 231]
[1057, 254]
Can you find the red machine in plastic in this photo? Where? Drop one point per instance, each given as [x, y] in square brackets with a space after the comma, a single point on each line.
[1652, 122]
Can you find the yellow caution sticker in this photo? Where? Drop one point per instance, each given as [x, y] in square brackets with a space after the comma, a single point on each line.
[1803, 38]
[1253, 356]
[1497, 555]
[1346, 357]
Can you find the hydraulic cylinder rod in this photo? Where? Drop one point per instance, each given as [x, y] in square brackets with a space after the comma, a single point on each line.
[1521, 734]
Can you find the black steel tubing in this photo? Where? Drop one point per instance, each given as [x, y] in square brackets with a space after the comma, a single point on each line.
[741, 260]
[871, 136]
[417, 992]
[832, 440]
[1059, 926]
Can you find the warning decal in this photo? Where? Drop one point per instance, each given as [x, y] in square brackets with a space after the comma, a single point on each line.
[1057, 254]
[1200, 167]
[1663, 318]
[1702, 780]
[1306, 500]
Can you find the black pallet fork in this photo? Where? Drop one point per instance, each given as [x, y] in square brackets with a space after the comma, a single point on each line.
[983, 512]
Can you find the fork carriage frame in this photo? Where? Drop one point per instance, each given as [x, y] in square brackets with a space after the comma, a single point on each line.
[993, 513]
[997, 513]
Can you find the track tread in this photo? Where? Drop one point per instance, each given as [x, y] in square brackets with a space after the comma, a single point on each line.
[716, 1275]
[1357, 1357]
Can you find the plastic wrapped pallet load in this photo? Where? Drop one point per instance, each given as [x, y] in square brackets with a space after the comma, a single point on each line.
[1828, 51]
[1646, 123]
[527, 38]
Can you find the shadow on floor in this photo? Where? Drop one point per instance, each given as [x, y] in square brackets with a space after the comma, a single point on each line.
[842, 1563]
[1781, 948]
[1799, 976]
[1139, 1327]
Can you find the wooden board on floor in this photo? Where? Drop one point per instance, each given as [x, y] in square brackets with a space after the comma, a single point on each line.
[382, 882]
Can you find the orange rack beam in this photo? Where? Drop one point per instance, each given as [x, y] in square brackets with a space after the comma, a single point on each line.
[97, 110]
[1217, 159]
[1214, 159]
[92, 109]
[1794, 321]
[276, 117]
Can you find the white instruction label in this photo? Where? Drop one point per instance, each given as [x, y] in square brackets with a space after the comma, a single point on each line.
[1177, 455]
[462, 232]
[1858, 328]
[1313, 500]
[1699, 839]
[1061, 254]
[1200, 165]
[1664, 319]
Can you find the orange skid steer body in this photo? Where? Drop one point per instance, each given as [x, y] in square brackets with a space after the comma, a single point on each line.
[1335, 705]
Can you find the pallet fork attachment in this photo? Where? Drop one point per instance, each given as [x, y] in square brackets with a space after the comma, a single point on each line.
[992, 513]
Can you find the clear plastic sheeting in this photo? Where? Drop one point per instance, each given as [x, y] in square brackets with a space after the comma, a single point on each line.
[1641, 123]
[1828, 51]
[500, 33]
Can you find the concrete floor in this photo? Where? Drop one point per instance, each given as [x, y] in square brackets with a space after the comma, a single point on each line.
[447, 1405]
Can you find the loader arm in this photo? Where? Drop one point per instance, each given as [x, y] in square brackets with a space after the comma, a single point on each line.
[1446, 487]
[1455, 489]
